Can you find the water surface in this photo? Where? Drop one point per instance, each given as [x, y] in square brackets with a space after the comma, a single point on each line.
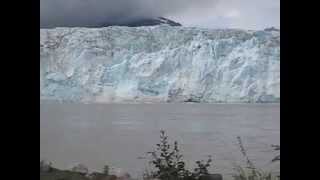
[118, 134]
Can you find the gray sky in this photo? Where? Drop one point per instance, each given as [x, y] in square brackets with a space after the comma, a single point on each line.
[246, 14]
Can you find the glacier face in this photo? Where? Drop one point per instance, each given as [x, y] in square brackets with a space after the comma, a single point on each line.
[159, 64]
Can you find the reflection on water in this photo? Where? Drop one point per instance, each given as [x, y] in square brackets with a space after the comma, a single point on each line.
[118, 134]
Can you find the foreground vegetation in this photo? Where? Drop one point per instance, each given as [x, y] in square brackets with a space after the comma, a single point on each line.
[166, 163]
[250, 172]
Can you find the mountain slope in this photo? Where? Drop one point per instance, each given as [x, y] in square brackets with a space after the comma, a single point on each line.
[159, 64]
[145, 22]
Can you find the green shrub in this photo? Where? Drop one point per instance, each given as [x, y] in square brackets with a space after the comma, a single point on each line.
[250, 172]
[169, 164]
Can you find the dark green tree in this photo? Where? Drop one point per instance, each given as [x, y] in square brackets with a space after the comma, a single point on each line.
[169, 164]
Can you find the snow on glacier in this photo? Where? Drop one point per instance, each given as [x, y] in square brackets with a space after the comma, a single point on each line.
[159, 64]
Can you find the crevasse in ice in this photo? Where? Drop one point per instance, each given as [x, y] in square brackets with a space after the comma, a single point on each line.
[159, 64]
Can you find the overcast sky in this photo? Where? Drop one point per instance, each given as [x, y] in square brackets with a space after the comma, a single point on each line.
[246, 14]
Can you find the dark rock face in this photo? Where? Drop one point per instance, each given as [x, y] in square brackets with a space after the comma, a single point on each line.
[45, 166]
[129, 23]
[146, 22]
[272, 29]
[56, 174]
[212, 177]
[100, 176]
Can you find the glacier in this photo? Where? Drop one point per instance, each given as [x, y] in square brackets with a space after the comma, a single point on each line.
[159, 64]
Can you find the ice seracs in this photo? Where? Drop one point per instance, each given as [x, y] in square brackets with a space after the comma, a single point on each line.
[159, 64]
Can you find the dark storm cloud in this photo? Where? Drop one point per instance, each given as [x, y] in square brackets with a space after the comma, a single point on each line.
[55, 13]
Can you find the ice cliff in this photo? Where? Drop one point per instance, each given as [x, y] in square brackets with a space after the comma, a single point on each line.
[159, 64]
